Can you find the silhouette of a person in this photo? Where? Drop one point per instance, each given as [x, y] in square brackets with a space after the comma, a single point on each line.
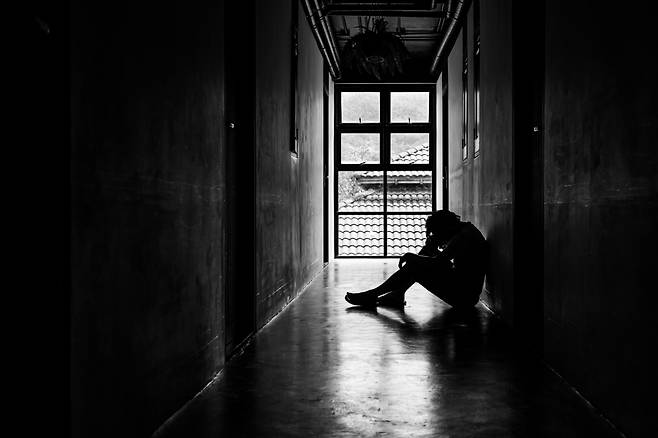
[451, 265]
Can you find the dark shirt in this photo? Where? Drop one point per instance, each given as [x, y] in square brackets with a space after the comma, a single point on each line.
[466, 251]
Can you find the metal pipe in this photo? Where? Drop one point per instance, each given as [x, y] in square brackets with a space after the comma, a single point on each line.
[316, 28]
[329, 36]
[449, 34]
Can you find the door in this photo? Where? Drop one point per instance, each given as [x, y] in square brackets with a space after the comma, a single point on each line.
[240, 165]
[528, 47]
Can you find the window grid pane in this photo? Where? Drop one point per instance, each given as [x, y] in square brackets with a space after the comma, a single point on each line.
[409, 191]
[360, 191]
[410, 148]
[359, 107]
[410, 107]
[405, 233]
[360, 235]
[359, 148]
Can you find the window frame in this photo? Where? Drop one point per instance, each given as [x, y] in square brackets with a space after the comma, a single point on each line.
[465, 93]
[476, 79]
[384, 128]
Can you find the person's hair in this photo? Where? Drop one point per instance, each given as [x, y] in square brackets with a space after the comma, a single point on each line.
[442, 219]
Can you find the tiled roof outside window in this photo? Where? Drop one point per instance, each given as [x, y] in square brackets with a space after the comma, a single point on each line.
[407, 191]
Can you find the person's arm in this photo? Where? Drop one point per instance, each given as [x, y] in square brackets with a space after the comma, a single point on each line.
[409, 256]
[455, 243]
[430, 248]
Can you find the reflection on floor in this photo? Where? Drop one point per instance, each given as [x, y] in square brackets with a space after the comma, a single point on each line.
[323, 368]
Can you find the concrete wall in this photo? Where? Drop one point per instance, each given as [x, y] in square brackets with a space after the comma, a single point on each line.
[289, 189]
[148, 185]
[148, 192]
[481, 188]
[601, 187]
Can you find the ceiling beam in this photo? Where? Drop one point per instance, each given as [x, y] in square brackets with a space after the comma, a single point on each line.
[332, 10]
[416, 36]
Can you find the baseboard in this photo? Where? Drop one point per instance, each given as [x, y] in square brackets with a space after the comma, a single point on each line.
[590, 407]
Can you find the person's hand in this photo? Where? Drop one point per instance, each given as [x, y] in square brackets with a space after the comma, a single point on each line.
[404, 259]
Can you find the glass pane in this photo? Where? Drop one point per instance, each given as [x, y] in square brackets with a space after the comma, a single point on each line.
[410, 148]
[360, 235]
[409, 190]
[359, 148]
[410, 107]
[359, 107]
[360, 191]
[406, 233]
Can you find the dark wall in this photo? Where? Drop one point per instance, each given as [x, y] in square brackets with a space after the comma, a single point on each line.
[600, 182]
[147, 159]
[481, 187]
[494, 206]
[148, 162]
[289, 188]
[601, 186]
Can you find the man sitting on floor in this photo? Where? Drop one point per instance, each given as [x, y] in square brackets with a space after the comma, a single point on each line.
[451, 265]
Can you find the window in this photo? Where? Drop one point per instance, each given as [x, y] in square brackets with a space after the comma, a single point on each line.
[465, 97]
[294, 64]
[384, 173]
[476, 80]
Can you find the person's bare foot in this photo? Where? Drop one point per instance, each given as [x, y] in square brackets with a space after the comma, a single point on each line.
[364, 299]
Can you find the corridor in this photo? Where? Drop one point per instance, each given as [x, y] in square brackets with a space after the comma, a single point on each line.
[209, 174]
[323, 368]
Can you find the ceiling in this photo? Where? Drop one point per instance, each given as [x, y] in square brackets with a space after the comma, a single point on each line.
[422, 25]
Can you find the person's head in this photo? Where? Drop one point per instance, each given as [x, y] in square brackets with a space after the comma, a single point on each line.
[442, 224]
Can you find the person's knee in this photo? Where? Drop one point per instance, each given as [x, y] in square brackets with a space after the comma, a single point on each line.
[411, 267]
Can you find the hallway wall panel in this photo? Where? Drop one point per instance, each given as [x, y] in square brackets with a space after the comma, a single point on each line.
[481, 188]
[148, 190]
[289, 188]
[601, 191]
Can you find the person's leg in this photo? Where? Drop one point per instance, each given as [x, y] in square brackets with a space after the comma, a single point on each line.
[397, 284]
[436, 275]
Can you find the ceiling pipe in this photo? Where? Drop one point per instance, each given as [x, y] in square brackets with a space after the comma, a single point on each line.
[317, 29]
[449, 35]
[328, 34]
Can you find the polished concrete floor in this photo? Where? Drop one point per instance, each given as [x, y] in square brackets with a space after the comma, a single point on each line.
[322, 368]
